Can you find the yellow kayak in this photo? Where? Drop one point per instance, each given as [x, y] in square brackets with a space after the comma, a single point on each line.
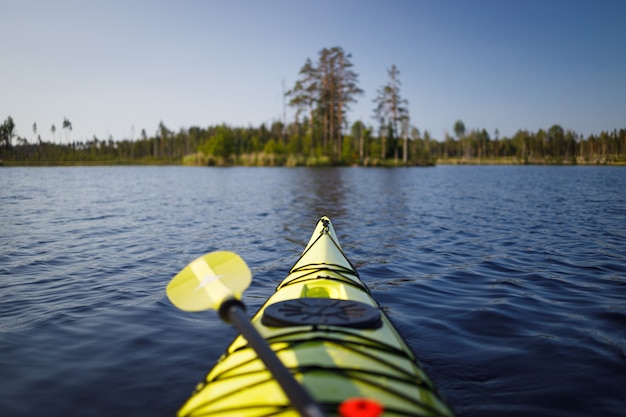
[330, 333]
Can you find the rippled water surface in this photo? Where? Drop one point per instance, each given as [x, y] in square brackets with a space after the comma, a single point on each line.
[509, 283]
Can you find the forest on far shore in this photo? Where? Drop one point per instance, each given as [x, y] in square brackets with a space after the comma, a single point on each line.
[281, 145]
[320, 135]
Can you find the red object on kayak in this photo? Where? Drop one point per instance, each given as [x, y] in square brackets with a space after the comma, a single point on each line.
[360, 407]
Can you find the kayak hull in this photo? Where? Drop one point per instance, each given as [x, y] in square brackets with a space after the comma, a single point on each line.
[326, 328]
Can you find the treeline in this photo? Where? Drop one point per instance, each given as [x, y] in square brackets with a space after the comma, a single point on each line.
[276, 145]
[280, 145]
[552, 146]
[321, 134]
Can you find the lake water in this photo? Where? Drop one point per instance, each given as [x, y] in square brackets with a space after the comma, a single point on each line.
[509, 283]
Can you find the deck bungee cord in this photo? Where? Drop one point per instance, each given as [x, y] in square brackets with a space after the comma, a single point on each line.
[334, 351]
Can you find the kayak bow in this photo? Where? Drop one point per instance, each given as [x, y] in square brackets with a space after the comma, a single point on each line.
[329, 332]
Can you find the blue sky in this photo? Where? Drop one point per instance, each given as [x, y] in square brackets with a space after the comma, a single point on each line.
[116, 67]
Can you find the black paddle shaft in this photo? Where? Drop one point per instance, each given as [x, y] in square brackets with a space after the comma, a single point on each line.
[233, 311]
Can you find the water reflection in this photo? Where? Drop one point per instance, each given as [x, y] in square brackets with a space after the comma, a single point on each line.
[322, 191]
[313, 192]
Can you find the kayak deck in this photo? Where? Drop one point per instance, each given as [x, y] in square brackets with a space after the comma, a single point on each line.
[332, 335]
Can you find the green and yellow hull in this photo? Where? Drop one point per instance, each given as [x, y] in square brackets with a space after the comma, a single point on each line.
[332, 335]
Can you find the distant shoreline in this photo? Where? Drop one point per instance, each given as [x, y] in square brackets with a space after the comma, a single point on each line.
[508, 161]
[386, 164]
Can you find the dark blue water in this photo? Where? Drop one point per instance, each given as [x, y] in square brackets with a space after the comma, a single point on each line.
[509, 283]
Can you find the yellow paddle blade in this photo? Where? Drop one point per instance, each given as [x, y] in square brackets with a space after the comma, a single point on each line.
[209, 281]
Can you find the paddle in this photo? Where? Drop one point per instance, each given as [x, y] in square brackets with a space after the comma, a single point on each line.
[216, 281]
